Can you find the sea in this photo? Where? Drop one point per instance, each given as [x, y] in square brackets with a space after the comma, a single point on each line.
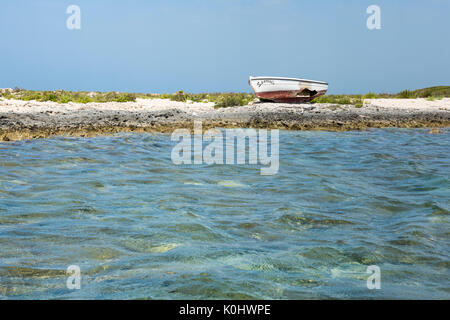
[348, 215]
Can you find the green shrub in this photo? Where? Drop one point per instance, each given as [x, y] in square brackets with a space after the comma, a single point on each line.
[125, 97]
[227, 100]
[442, 91]
[370, 95]
[84, 99]
[344, 100]
[334, 99]
[165, 96]
[64, 98]
[359, 103]
[30, 95]
[405, 94]
[6, 95]
[425, 94]
[179, 96]
[431, 98]
[49, 96]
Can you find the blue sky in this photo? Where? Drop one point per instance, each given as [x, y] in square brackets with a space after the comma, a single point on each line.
[214, 45]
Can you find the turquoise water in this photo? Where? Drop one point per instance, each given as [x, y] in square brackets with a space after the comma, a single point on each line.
[139, 226]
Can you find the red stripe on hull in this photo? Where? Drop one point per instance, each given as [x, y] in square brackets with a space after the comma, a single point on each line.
[288, 96]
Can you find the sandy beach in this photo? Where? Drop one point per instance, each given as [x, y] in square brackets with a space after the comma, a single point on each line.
[31, 119]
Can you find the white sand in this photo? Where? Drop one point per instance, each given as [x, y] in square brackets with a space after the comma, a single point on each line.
[19, 106]
[411, 104]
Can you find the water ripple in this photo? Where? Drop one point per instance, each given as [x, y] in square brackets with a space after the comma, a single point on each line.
[141, 227]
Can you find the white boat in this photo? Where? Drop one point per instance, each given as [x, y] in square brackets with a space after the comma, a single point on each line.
[291, 90]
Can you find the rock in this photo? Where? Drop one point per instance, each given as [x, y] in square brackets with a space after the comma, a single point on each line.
[435, 131]
[42, 119]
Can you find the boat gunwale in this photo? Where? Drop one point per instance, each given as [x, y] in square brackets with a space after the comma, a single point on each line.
[288, 79]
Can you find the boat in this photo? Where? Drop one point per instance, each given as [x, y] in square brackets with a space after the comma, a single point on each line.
[290, 90]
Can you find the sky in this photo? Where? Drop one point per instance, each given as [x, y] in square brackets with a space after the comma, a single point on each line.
[162, 46]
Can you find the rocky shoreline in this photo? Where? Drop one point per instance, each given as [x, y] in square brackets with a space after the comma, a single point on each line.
[31, 119]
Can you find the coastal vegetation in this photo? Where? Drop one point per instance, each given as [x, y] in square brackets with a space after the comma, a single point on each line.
[62, 96]
[432, 93]
[340, 99]
[221, 100]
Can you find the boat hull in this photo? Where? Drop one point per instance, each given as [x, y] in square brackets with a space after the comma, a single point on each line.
[287, 90]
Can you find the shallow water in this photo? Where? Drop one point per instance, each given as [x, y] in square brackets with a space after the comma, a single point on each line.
[141, 227]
